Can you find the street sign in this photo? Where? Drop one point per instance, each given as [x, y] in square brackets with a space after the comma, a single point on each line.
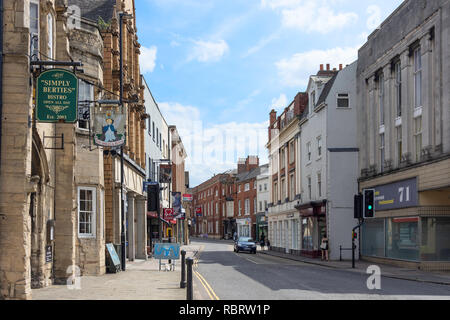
[167, 251]
[57, 96]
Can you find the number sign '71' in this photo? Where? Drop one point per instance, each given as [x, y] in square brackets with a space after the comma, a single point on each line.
[400, 194]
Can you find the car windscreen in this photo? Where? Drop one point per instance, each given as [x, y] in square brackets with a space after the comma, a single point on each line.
[245, 239]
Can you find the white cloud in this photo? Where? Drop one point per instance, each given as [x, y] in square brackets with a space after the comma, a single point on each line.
[215, 148]
[295, 71]
[310, 15]
[208, 51]
[278, 104]
[147, 59]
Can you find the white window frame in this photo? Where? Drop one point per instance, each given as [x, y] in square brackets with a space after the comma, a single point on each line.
[247, 186]
[343, 96]
[94, 213]
[36, 32]
[308, 152]
[417, 63]
[319, 147]
[51, 36]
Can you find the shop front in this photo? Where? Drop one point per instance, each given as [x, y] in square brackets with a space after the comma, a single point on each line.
[244, 227]
[313, 228]
[410, 228]
[229, 227]
[261, 226]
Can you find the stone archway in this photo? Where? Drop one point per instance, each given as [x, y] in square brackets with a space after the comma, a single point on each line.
[39, 210]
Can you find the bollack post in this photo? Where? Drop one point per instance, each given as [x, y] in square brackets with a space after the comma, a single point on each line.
[189, 291]
[183, 269]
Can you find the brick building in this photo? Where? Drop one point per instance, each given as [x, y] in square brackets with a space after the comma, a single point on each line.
[107, 16]
[245, 201]
[214, 199]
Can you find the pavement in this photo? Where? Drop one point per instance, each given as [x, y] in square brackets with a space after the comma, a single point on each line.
[142, 280]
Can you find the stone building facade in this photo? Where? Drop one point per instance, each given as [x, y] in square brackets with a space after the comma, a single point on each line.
[40, 200]
[404, 136]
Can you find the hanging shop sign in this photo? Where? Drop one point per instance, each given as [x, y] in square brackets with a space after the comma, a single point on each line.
[57, 96]
[168, 214]
[187, 197]
[198, 211]
[176, 201]
[165, 173]
[109, 127]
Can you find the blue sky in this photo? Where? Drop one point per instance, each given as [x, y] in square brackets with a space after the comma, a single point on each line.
[217, 67]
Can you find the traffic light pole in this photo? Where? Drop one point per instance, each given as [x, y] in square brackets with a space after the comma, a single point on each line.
[353, 241]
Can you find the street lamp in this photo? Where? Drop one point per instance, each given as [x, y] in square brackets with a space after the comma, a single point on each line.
[122, 15]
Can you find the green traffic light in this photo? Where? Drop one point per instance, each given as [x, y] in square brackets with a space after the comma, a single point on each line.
[370, 207]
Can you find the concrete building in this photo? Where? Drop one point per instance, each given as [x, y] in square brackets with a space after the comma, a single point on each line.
[262, 202]
[404, 136]
[328, 163]
[157, 143]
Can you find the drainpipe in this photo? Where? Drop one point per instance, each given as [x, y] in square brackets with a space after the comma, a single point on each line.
[1, 76]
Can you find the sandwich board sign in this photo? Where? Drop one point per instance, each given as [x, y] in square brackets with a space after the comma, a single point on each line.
[166, 251]
[114, 262]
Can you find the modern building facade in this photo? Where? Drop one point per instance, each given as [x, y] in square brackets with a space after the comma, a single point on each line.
[404, 136]
[157, 144]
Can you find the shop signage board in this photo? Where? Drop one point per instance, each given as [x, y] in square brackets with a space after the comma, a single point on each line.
[400, 194]
[57, 96]
[187, 197]
[48, 254]
[198, 211]
[109, 127]
[168, 214]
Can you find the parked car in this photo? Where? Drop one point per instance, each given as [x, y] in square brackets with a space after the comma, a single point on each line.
[245, 244]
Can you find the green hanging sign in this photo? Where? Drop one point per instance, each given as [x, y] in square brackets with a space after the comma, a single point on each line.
[57, 96]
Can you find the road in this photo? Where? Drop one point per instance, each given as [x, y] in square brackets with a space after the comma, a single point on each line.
[222, 274]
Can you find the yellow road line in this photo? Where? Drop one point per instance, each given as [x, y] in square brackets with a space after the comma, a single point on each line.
[204, 285]
[208, 287]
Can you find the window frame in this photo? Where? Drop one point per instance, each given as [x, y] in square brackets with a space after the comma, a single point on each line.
[417, 72]
[94, 213]
[340, 97]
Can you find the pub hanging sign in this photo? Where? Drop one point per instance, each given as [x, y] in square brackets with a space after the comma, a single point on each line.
[109, 127]
[57, 96]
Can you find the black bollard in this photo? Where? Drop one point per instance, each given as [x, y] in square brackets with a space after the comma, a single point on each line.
[189, 291]
[183, 269]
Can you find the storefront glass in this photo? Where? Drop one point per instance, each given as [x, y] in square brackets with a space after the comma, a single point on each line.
[402, 241]
[373, 238]
[307, 234]
[435, 243]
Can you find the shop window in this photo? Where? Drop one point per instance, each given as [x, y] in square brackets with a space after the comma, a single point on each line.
[402, 241]
[373, 238]
[307, 234]
[435, 244]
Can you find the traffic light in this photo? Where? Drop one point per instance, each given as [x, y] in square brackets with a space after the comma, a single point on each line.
[354, 235]
[369, 203]
[358, 206]
[153, 198]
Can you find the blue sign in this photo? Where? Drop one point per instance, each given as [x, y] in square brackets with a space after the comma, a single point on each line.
[167, 251]
[113, 254]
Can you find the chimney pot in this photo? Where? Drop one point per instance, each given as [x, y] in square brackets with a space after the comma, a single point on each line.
[321, 67]
[328, 67]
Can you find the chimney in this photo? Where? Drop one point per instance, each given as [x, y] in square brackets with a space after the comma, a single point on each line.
[273, 119]
[321, 67]
[241, 166]
[251, 162]
[334, 69]
[328, 67]
[340, 66]
[300, 103]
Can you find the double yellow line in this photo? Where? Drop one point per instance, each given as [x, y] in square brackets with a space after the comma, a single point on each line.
[212, 295]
